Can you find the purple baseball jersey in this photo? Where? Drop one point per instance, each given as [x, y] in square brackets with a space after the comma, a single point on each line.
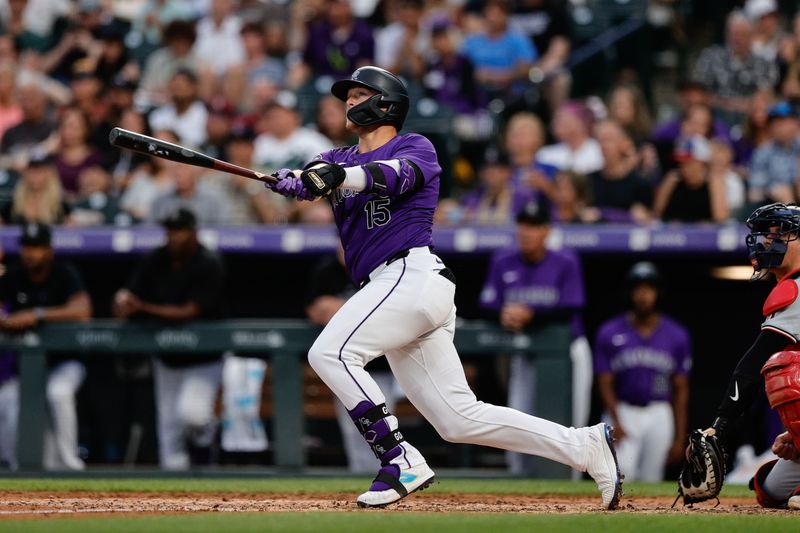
[375, 226]
[642, 367]
[553, 284]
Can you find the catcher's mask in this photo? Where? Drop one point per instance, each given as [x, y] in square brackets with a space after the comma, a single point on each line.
[772, 227]
[389, 106]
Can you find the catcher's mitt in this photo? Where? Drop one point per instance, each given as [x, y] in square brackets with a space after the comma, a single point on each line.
[702, 476]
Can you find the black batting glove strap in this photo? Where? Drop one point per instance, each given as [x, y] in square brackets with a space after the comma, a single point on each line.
[321, 181]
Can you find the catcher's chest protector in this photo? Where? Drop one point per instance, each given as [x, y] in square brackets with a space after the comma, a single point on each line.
[782, 380]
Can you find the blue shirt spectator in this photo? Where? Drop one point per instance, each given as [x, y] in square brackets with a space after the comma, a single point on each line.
[773, 169]
[501, 56]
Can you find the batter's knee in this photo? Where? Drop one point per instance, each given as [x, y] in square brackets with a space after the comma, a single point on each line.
[451, 429]
[318, 358]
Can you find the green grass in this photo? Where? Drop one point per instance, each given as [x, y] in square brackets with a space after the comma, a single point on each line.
[418, 523]
[321, 522]
[332, 485]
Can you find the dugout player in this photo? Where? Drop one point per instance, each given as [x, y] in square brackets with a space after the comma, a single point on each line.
[773, 248]
[642, 360]
[43, 289]
[529, 286]
[178, 282]
[383, 192]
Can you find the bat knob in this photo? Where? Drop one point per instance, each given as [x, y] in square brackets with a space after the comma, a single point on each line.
[112, 136]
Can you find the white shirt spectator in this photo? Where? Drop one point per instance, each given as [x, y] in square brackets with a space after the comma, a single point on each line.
[389, 43]
[219, 47]
[190, 126]
[586, 159]
[292, 152]
[140, 194]
[39, 15]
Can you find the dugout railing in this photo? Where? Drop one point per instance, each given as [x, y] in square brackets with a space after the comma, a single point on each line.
[284, 343]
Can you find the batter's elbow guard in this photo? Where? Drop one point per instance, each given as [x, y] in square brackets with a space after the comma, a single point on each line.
[782, 382]
[757, 485]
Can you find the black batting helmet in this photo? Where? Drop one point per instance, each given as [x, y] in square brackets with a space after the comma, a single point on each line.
[643, 272]
[389, 106]
[772, 227]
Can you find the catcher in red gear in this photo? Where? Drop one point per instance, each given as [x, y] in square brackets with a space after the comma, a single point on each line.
[773, 248]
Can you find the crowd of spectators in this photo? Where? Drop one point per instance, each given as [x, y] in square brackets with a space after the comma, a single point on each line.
[247, 81]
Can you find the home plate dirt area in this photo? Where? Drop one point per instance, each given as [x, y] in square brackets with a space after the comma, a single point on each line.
[16, 504]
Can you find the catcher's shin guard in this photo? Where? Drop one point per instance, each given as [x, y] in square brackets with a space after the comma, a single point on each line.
[782, 380]
[757, 485]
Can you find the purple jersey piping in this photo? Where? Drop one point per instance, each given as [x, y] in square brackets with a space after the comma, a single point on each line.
[359, 325]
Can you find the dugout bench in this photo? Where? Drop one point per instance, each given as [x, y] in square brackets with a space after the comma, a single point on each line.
[286, 343]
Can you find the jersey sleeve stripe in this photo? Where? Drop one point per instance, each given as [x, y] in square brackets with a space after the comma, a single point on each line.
[778, 330]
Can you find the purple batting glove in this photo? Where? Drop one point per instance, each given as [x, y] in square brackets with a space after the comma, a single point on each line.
[289, 185]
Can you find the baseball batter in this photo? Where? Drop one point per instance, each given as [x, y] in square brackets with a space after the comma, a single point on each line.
[773, 247]
[383, 192]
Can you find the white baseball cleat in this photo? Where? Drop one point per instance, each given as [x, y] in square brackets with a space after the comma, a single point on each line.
[602, 464]
[392, 484]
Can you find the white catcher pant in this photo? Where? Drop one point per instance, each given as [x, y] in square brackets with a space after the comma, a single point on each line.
[407, 312]
[61, 437]
[185, 399]
[649, 431]
[522, 393]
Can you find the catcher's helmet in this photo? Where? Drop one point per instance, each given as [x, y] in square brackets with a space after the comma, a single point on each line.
[772, 227]
[389, 106]
[643, 272]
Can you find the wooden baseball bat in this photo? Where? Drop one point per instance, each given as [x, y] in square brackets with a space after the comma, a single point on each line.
[173, 152]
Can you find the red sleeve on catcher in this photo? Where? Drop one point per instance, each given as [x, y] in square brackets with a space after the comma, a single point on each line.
[783, 295]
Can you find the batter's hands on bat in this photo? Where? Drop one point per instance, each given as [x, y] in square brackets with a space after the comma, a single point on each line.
[784, 447]
[290, 185]
[515, 316]
[322, 180]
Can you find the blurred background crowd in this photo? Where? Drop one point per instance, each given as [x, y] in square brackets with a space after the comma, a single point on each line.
[607, 110]
[541, 111]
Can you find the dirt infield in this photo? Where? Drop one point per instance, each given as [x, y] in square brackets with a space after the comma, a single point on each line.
[16, 504]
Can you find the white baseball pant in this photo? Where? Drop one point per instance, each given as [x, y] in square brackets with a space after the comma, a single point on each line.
[649, 432]
[61, 437]
[185, 399]
[9, 414]
[406, 311]
[522, 393]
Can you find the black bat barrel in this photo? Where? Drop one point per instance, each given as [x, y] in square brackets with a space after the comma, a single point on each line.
[137, 142]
